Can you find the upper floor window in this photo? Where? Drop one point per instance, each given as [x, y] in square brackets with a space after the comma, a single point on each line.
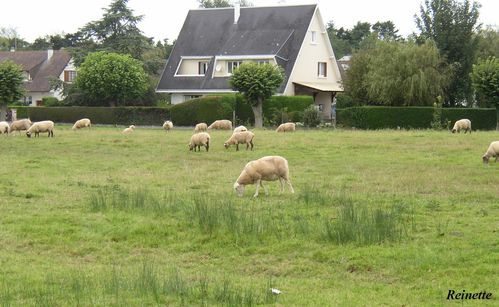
[313, 37]
[26, 76]
[261, 62]
[202, 68]
[231, 66]
[69, 76]
[322, 69]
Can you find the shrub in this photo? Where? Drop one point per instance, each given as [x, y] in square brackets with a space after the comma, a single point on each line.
[51, 102]
[311, 117]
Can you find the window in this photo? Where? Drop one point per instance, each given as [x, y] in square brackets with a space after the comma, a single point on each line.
[69, 76]
[26, 76]
[203, 67]
[313, 37]
[189, 97]
[233, 65]
[261, 62]
[320, 107]
[322, 69]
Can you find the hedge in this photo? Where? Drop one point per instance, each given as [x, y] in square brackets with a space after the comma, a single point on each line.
[370, 117]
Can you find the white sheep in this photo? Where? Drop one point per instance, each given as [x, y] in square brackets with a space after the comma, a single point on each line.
[4, 128]
[43, 126]
[201, 127]
[492, 151]
[462, 124]
[221, 124]
[198, 140]
[243, 137]
[240, 129]
[168, 125]
[286, 127]
[82, 123]
[269, 168]
[21, 124]
[128, 130]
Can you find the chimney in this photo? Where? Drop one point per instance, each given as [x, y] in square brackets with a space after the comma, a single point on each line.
[237, 11]
[50, 53]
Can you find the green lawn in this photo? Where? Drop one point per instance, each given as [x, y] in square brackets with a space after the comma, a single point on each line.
[386, 218]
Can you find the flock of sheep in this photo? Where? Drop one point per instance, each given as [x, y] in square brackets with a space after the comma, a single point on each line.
[268, 168]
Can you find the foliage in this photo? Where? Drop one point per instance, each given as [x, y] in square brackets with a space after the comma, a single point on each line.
[11, 85]
[111, 78]
[395, 73]
[55, 41]
[221, 3]
[311, 117]
[257, 83]
[206, 109]
[485, 79]
[436, 122]
[488, 43]
[51, 102]
[9, 38]
[374, 117]
[451, 24]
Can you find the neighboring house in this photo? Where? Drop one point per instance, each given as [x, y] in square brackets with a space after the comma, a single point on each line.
[38, 68]
[213, 42]
[344, 65]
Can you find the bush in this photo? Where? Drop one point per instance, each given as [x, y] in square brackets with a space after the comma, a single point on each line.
[312, 117]
[51, 102]
[370, 117]
[204, 109]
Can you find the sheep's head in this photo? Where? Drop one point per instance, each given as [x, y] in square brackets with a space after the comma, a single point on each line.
[226, 145]
[28, 134]
[190, 146]
[132, 127]
[239, 188]
[453, 130]
[485, 159]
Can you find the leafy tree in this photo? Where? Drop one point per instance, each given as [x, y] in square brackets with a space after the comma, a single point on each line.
[451, 25]
[55, 42]
[257, 83]
[221, 3]
[485, 78]
[339, 40]
[386, 30]
[11, 85]
[488, 43]
[9, 38]
[311, 116]
[111, 78]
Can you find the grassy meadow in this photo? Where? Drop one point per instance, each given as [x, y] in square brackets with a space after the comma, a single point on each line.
[379, 218]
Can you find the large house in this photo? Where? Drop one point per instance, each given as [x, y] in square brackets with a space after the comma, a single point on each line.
[214, 42]
[39, 67]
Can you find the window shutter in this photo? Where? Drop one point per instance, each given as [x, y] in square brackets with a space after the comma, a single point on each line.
[66, 76]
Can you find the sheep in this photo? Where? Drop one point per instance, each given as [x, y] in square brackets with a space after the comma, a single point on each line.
[462, 124]
[43, 126]
[21, 124]
[222, 124]
[240, 129]
[82, 123]
[286, 127]
[201, 127]
[492, 151]
[168, 125]
[4, 128]
[269, 168]
[244, 137]
[198, 140]
[128, 130]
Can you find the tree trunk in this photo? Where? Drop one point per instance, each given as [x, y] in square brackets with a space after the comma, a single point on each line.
[3, 112]
[257, 111]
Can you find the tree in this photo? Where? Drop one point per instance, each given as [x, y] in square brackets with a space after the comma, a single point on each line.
[9, 38]
[111, 78]
[11, 85]
[488, 43]
[257, 83]
[386, 30]
[221, 3]
[485, 78]
[451, 25]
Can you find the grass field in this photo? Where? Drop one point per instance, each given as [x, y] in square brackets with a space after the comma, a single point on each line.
[392, 218]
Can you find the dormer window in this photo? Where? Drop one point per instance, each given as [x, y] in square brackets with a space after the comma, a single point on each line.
[313, 37]
[26, 76]
[261, 62]
[202, 68]
[69, 76]
[232, 65]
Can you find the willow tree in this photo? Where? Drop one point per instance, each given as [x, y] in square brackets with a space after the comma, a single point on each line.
[11, 85]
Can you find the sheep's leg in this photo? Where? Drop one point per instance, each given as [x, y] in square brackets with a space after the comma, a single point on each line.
[281, 181]
[264, 187]
[290, 186]
[497, 157]
[258, 183]
[237, 146]
[207, 147]
[251, 142]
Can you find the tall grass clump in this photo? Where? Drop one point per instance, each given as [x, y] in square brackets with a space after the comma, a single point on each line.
[360, 225]
[140, 199]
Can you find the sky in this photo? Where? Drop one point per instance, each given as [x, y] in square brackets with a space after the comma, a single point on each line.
[164, 19]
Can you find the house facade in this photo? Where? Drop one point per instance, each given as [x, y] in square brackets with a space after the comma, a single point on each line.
[39, 67]
[214, 42]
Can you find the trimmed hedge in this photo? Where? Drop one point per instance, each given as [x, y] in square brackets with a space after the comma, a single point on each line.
[371, 117]
[205, 109]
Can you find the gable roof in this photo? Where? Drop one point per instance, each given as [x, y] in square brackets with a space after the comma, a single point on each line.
[39, 66]
[277, 31]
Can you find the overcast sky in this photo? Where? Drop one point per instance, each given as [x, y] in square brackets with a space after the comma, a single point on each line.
[164, 19]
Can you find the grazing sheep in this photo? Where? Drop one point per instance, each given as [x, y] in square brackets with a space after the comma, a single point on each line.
[492, 151]
[244, 137]
[21, 124]
[221, 124]
[201, 127]
[198, 140]
[462, 124]
[82, 123]
[129, 129]
[286, 127]
[43, 126]
[168, 125]
[269, 168]
[4, 128]
[240, 129]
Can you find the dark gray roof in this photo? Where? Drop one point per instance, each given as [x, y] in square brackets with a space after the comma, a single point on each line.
[276, 30]
[39, 66]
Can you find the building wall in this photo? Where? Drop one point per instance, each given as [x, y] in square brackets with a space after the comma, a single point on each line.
[182, 97]
[324, 100]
